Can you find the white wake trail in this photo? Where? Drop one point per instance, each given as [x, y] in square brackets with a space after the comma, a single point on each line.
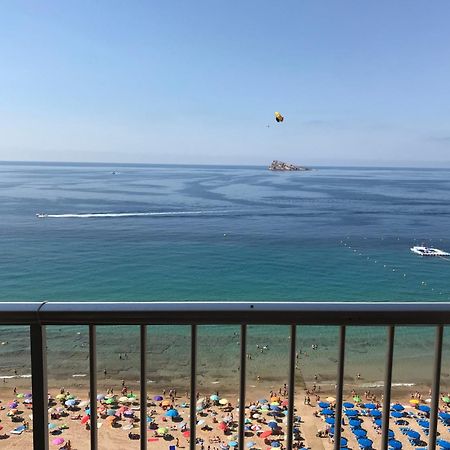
[129, 214]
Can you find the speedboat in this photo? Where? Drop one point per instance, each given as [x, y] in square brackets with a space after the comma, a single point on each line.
[41, 215]
[428, 251]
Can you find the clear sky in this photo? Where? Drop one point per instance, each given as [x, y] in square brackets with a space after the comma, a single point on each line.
[176, 81]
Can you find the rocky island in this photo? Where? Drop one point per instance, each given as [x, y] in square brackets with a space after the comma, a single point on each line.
[280, 165]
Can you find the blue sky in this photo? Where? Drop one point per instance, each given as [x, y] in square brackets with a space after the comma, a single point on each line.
[359, 82]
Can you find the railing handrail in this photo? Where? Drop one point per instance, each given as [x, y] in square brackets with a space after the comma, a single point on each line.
[202, 312]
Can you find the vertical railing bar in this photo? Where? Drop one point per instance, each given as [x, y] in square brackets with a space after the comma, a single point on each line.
[38, 343]
[387, 388]
[436, 387]
[242, 369]
[193, 402]
[93, 385]
[291, 386]
[143, 393]
[339, 390]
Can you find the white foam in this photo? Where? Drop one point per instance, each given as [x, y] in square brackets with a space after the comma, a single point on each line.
[6, 377]
[26, 376]
[79, 375]
[130, 214]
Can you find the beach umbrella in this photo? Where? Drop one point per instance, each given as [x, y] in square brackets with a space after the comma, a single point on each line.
[330, 420]
[327, 412]
[99, 396]
[85, 419]
[20, 395]
[424, 408]
[344, 442]
[150, 419]
[255, 428]
[347, 405]
[357, 398]
[172, 413]
[424, 423]
[60, 396]
[233, 443]
[199, 408]
[265, 434]
[360, 433]
[414, 401]
[223, 401]
[153, 439]
[351, 412]
[394, 444]
[162, 430]
[390, 434]
[275, 408]
[28, 395]
[378, 422]
[256, 416]
[272, 424]
[223, 426]
[58, 441]
[413, 434]
[158, 398]
[324, 404]
[13, 405]
[397, 407]
[83, 404]
[275, 403]
[165, 403]
[446, 399]
[443, 444]
[375, 413]
[186, 433]
[200, 422]
[262, 400]
[354, 423]
[274, 398]
[251, 444]
[124, 399]
[396, 414]
[370, 406]
[214, 398]
[275, 444]
[70, 402]
[444, 416]
[365, 442]
[52, 426]
[110, 412]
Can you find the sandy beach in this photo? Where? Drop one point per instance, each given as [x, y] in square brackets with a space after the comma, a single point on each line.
[168, 418]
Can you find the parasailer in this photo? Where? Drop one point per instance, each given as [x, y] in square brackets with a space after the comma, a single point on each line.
[278, 117]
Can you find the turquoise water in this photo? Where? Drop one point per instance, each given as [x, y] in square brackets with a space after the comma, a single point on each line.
[240, 233]
[224, 233]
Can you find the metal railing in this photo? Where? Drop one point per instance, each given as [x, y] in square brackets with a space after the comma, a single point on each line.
[38, 315]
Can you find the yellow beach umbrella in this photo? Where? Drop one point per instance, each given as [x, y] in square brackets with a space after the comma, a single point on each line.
[414, 401]
[223, 401]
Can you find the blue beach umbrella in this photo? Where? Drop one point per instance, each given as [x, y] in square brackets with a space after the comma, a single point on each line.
[443, 444]
[413, 434]
[149, 419]
[275, 444]
[364, 442]
[444, 415]
[348, 405]
[378, 422]
[344, 442]
[390, 434]
[424, 423]
[351, 412]
[327, 412]
[355, 423]
[360, 433]
[370, 406]
[251, 444]
[272, 424]
[324, 404]
[424, 408]
[214, 398]
[111, 412]
[262, 400]
[375, 413]
[330, 420]
[398, 407]
[157, 398]
[394, 444]
[70, 402]
[233, 444]
[172, 413]
[397, 414]
[275, 408]
[52, 426]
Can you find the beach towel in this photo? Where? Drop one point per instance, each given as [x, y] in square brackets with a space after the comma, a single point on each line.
[18, 430]
[172, 447]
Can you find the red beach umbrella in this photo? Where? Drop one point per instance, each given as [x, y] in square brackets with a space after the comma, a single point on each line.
[186, 434]
[85, 419]
[265, 434]
[223, 426]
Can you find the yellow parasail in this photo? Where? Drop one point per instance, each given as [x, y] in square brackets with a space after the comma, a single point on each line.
[278, 117]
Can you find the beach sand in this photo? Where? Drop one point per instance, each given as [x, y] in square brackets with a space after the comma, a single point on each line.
[213, 414]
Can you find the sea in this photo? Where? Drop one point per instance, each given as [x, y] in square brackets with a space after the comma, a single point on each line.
[128, 232]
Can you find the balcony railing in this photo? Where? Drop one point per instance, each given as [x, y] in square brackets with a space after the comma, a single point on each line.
[38, 315]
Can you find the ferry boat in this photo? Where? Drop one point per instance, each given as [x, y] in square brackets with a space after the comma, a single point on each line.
[428, 251]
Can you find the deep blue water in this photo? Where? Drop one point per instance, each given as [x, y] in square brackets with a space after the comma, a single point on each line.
[227, 233]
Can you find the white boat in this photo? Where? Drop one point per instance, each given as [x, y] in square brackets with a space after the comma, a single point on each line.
[41, 216]
[428, 251]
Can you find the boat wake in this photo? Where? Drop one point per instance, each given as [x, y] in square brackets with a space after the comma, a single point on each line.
[130, 214]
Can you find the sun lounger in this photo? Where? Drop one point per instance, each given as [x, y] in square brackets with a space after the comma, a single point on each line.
[18, 430]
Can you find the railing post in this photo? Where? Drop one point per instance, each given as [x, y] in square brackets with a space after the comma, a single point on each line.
[143, 394]
[339, 390]
[292, 359]
[387, 388]
[39, 386]
[193, 402]
[436, 387]
[242, 385]
[93, 385]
